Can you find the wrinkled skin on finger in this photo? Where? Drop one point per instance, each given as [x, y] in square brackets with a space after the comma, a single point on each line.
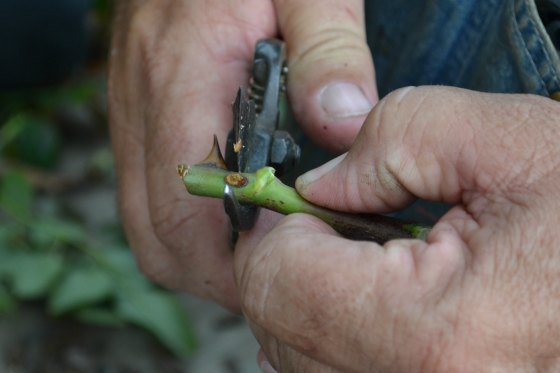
[480, 294]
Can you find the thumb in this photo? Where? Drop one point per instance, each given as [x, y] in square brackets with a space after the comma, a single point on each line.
[331, 83]
[436, 143]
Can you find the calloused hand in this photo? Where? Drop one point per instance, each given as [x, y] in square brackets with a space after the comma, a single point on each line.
[174, 70]
[482, 294]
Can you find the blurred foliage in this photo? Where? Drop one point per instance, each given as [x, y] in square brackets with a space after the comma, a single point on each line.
[48, 255]
[30, 132]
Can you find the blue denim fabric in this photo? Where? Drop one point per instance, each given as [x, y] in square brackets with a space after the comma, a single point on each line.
[484, 45]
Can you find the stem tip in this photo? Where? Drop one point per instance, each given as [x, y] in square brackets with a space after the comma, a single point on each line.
[182, 170]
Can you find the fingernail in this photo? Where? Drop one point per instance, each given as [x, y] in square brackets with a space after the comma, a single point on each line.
[343, 100]
[266, 367]
[315, 174]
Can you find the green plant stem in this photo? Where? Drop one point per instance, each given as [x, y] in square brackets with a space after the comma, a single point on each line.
[264, 189]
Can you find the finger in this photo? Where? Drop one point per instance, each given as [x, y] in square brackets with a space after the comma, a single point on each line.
[425, 142]
[331, 80]
[187, 70]
[128, 148]
[316, 293]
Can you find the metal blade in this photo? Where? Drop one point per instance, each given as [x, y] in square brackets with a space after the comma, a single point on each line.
[244, 119]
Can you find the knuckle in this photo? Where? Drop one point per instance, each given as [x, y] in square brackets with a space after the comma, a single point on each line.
[135, 48]
[389, 117]
[154, 271]
[143, 20]
[341, 44]
[388, 134]
[150, 265]
[150, 255]
[150, 40]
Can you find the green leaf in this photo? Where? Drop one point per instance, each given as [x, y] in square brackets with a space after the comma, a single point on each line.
[37, 142]
[162, 315]
[7, 302]
[119, 258]
[67, 95]
[7, 260]
[10, 233]
[102, 7]
[100, 316]
[81, 287]
[44, 232]
[34, 273]
[16, 196]
[11, 130]
[122, 266]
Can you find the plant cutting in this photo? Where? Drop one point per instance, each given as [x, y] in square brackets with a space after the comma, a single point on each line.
[210, 178]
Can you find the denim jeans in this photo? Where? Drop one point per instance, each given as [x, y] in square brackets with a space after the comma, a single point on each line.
[484, 45]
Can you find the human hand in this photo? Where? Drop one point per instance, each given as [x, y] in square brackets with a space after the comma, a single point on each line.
[174, 71]
[481, 294]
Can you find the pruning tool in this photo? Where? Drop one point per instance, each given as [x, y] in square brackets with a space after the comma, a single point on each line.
[255, 141]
